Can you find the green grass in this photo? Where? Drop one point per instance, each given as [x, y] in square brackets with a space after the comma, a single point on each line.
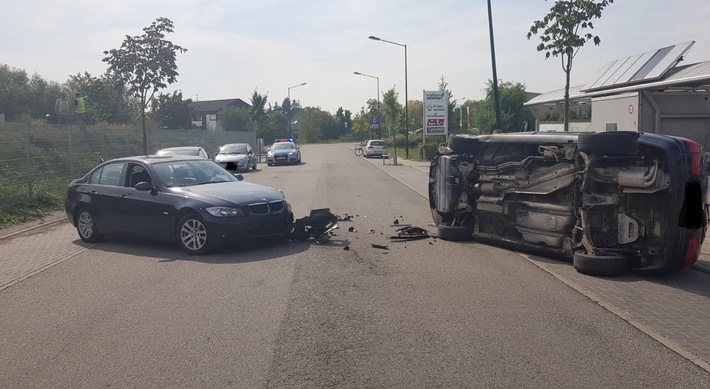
[41, 205]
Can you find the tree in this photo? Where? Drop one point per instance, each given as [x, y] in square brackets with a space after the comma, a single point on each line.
[257, 111]
[171, 111]
[276, 126]
[234, 119]
[512, 96]
[344, 124]
[108, 99]
[146, 63]
[452, 125]
[315, 124]
[562, 34]
[391, 112]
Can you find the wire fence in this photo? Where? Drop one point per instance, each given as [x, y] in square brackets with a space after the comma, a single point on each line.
[38, 162]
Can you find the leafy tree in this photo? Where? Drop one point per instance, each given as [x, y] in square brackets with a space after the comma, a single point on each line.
[146, 63]
[391, 112]
[275, 127]
[361, 125]
[315, 124]
[562, 34]
[30, 97]
[452, 125]
[512, 96]
[171, 111]
[416, 114]
[108, 99]
[344, 123]
[234, 119]
[257, 111]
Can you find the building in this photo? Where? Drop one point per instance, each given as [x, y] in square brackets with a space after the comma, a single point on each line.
[649, 92]
[206, 112]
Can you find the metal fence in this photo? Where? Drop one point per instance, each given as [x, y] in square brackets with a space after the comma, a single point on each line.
[38, 161]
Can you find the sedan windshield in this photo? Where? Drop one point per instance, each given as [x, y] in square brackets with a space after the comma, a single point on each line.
[234, 149]
[284, 146]
[186, 173]
[180, 152]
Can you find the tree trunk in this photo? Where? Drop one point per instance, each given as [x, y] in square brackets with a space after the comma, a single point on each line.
[145, 135]
[567, 70]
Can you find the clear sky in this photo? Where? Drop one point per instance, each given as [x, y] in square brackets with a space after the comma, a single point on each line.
[237, 46]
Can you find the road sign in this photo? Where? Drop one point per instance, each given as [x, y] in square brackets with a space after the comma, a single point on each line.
[375, 123]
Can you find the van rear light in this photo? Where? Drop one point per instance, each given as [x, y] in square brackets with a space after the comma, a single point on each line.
[696, 158]
[691, 253]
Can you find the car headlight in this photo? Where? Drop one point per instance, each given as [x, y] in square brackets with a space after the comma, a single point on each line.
[225, 212]
[292, 153]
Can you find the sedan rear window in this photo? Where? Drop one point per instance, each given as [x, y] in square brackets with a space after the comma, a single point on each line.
[377, 143]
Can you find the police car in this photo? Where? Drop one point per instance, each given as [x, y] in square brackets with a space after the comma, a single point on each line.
[283, 151]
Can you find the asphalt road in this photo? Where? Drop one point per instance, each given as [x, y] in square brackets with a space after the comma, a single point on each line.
[428, 313]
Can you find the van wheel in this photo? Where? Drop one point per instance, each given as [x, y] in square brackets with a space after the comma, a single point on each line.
[86, 227]
[464, 145]
[612, 265]
[455, 233]
[192, 235]
[608, 143]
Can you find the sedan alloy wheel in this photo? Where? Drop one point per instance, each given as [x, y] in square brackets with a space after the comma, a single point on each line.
[192, 235]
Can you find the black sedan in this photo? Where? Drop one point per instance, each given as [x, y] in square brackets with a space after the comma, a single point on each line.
[186, 199]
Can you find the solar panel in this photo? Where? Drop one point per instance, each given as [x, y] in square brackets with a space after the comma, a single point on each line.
[669, 60]
[639, 68]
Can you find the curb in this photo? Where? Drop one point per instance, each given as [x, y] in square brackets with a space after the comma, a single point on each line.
[31, 228]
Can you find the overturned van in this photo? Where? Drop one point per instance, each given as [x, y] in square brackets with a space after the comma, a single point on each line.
[610, 201]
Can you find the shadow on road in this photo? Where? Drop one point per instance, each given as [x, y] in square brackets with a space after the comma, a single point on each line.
[229, 253]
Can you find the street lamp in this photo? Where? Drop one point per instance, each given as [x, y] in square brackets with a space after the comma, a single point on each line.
[290, 106]
[406, 97]
[378, 92]
[461, 113]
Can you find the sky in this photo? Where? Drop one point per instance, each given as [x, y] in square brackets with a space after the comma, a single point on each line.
[238, 46]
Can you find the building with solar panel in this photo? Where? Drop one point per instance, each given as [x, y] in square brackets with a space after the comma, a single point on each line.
[649, 92]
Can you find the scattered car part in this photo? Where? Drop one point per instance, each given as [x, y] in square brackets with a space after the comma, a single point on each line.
[410, 233]
[379, 246]
[317, 225]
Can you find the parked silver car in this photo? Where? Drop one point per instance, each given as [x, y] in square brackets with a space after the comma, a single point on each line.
[375, 148]
[185, 150]
[236, 156]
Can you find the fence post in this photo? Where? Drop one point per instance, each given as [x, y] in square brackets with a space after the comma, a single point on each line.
[29, 163]
[71, 156]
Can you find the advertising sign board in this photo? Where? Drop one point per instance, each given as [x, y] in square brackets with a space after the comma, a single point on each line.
[436, 112]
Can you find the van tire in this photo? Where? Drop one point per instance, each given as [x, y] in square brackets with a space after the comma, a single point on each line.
[623, 143]
[612, 265]
[455, 233]
[464, 145]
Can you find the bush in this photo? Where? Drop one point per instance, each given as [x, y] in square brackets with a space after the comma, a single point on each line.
[428, 151]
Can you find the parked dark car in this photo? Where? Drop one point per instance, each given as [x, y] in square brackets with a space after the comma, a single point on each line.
[184, 150]
[236, 156]
[190, 200]
[611, 201]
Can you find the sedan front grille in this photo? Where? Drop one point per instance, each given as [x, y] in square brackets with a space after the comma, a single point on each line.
[266, 208]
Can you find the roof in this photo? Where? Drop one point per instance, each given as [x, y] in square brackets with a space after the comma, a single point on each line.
[687, 77]
[211, 106]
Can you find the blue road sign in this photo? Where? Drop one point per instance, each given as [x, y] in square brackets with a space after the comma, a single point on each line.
[375, 123]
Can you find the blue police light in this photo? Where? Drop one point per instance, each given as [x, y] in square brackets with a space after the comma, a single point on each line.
[290, 139]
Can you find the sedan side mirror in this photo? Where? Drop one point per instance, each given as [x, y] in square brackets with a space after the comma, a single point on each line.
[238, 176]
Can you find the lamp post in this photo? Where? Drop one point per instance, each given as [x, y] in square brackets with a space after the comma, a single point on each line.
[496, 99]
[290, 106]
[461, 113]
[406, 97]
[378, 92]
